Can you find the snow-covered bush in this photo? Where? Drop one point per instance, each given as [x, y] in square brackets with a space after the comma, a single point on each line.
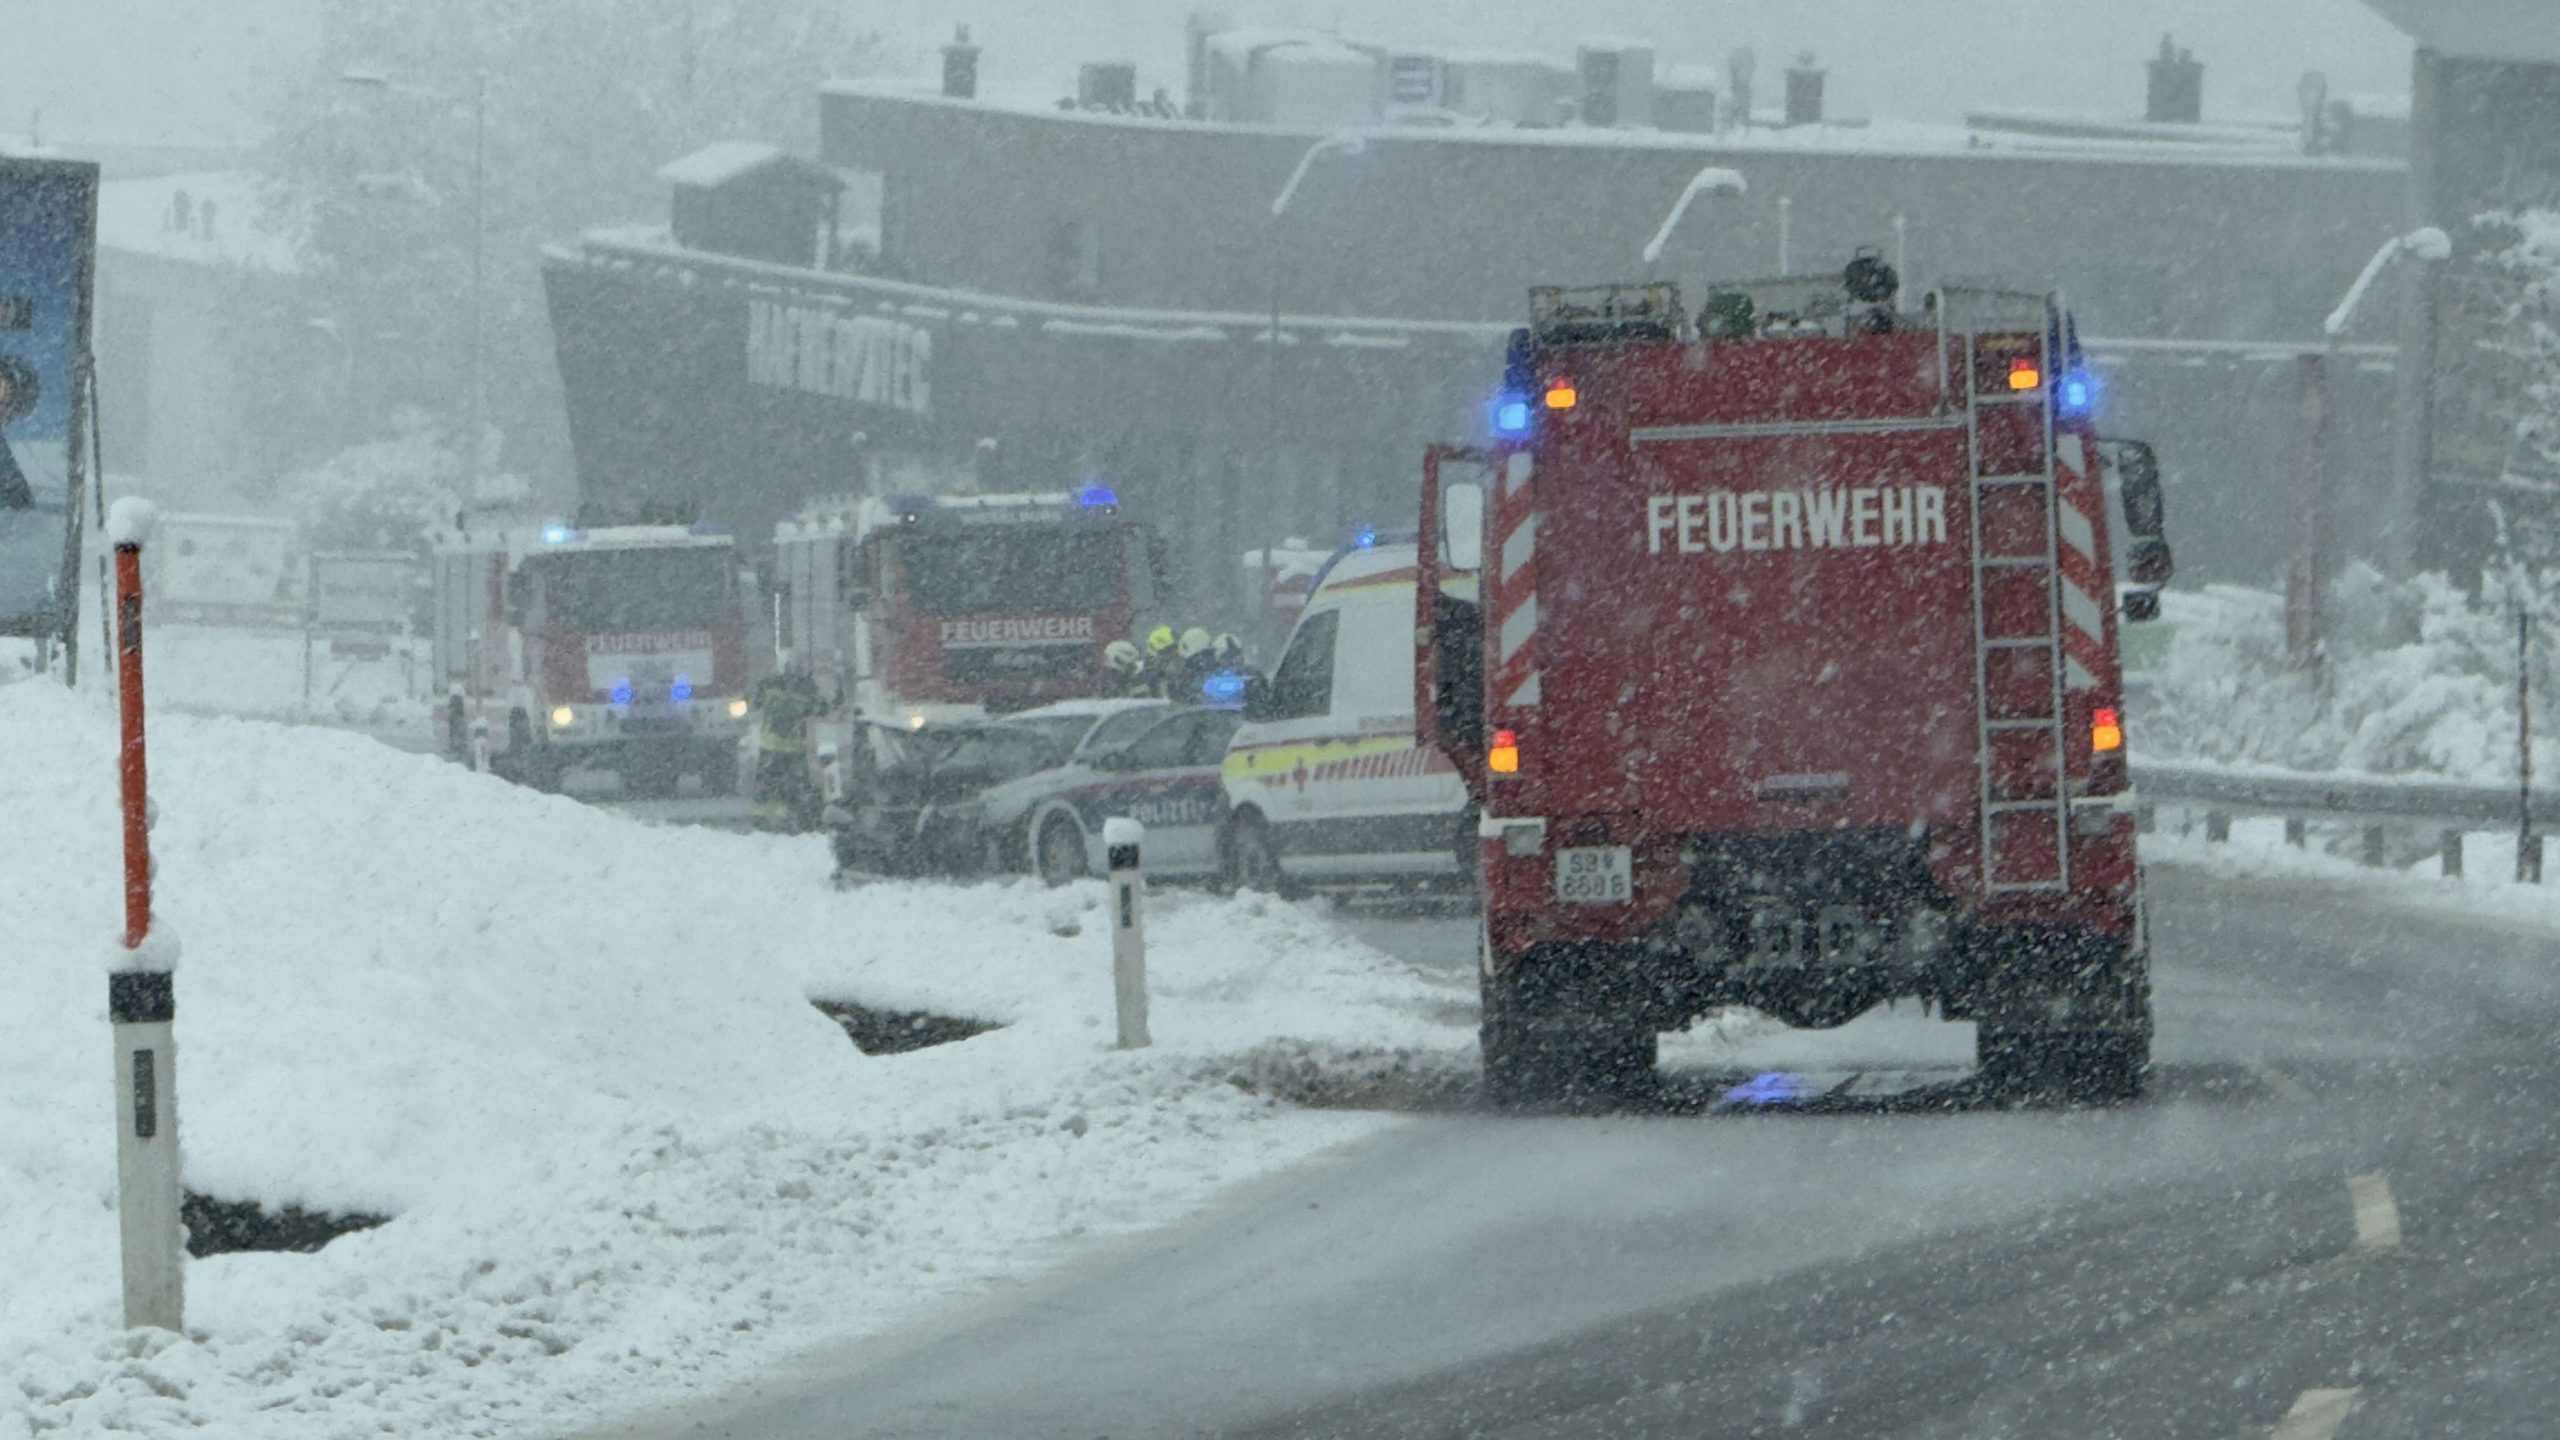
[2421, 680]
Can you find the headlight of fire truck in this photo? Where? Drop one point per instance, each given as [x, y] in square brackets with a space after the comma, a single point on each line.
[738, 709]
[562, 717]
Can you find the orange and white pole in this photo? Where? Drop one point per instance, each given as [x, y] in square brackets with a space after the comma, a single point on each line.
[142, 1004]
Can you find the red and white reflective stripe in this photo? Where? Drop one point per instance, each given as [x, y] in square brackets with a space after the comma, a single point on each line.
[2080, 579]
[1513, 601]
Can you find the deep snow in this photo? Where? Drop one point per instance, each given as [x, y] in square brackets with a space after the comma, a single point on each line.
[574, 1056]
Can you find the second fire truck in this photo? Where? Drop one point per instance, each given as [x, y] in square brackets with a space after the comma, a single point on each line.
[1794, 679]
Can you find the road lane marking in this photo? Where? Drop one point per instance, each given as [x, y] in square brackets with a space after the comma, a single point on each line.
[2377, 1214]
[2316, 1415]
[2283, 1084]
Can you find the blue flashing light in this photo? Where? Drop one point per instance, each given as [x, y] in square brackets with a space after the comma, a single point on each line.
[1097, 497]
[558, 534]
[1774, 1088]
[681, 690]
[1511, 416]
[1224, 688]
[2078, 393]
[1367, 539]
[622, 693]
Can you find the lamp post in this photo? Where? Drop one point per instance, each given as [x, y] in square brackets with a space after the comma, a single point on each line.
[2306, 577]
[1342, 142]
[474, 399]
[1713, 180]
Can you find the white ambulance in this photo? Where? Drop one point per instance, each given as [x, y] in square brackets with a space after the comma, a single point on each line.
[1327, 786]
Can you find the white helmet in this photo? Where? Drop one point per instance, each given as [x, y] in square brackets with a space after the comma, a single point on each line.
[1194, 640]
[1122, 657]
[1230, 650]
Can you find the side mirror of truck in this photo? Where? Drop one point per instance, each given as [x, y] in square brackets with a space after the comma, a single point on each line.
[2137, 471]
[1462, 526]
[1257, 699]
[2148, 562]
[2141, 605]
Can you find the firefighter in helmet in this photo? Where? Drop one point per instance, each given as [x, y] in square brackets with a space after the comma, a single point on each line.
[1160, 662]
[786, 790]
[1197, 661]
[1125, 670]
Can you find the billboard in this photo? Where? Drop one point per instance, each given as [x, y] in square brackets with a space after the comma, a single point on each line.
[48, 230]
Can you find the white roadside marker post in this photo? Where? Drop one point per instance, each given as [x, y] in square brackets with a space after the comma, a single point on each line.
[142, 1004]
[1120, 842]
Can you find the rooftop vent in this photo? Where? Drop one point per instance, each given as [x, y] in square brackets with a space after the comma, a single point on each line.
[1804, 91]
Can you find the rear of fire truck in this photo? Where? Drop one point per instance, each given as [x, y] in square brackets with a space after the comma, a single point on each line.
[1795, 682]
[621, 647]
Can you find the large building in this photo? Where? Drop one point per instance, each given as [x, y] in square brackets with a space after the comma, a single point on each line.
[1246, 297]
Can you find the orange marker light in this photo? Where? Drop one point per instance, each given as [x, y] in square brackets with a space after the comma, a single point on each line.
[2023, 375]
[1561, 395]
[2106, 732]
[1504, 757]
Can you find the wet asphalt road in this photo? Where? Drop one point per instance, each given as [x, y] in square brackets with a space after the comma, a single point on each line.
[2337, 1215]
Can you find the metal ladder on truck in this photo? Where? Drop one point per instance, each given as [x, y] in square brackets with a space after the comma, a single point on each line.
[2023, 760]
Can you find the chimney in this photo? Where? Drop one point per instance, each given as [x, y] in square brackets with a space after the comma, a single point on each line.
[960, 67]
[2177, 87]
[1804, 91]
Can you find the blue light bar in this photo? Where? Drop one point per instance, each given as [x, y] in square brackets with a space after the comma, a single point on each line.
[681, 690]
[622, 693]
[1097, 497]
[1367, 539]
[2078, 392]
[1224, 688]
[558, 534]
[1511, 416]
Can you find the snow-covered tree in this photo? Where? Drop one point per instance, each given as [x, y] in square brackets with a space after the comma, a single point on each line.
[575, 103]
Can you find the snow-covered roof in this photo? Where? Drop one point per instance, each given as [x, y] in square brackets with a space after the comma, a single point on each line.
[1880, 136]
[720, 163]
[224, 217]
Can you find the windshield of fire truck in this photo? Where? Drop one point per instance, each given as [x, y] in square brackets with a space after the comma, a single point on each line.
[1011, 568]
[636, 589]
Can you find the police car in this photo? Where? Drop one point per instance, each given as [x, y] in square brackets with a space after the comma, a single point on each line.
[1166, 778]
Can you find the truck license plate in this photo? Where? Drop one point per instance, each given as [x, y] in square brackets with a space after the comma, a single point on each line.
[1598, 875]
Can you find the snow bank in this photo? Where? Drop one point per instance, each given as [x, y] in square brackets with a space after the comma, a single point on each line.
[574, 1056]
[2420, 683]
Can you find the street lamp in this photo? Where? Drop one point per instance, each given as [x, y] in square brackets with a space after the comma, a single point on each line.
[1341, 142]
[1713, 180]
[2306, 577]
[473, 398]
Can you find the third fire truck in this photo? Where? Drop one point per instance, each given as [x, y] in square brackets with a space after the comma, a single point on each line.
[624, 647]
[1794, 678]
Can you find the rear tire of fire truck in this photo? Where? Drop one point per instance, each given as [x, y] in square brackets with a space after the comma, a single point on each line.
[1252, 860]
[1546, 1056]
[2076, 1064]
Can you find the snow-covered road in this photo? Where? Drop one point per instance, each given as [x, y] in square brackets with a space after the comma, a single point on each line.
[2188, 1266]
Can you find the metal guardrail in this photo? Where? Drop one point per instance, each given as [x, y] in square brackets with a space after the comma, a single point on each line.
[2453, 808]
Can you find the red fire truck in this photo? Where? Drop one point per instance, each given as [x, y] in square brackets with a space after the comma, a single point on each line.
[622, 647]
[919, 609]
[1794, 682]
